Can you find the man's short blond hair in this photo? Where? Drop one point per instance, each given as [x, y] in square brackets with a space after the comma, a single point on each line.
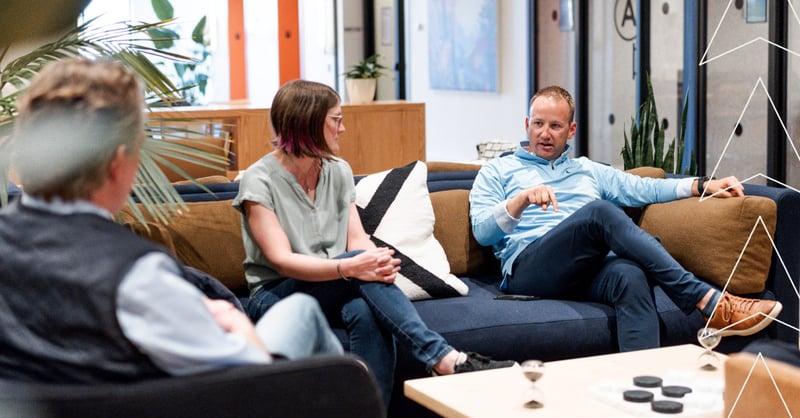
[557, 93]
[72, 119]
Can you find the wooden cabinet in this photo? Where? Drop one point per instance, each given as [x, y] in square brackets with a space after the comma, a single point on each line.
[246, 130]
[382, 135]
[378, 136]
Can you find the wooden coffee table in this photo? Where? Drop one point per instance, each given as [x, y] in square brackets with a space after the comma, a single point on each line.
[570, 387]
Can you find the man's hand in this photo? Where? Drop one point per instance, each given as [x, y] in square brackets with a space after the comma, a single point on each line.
[226, 315]
[233, 320]
[725, 187]
[542, 196]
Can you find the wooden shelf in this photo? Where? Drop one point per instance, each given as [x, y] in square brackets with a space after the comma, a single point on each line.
[378, 136]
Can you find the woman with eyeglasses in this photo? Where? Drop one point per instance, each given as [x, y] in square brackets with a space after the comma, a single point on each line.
[302, 233]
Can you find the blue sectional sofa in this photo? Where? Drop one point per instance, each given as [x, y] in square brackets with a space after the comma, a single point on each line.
[208, 237]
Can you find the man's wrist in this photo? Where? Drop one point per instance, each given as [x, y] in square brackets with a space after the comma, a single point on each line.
[701, 181]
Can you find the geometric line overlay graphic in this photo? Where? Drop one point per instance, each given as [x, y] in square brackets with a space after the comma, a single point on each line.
[704, 195]
[759, 82]
[747, 380]
[759, 221]
[703, 60]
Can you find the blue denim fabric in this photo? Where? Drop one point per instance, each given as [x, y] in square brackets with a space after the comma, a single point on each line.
[295, 328]
[374, 315]
[599, 254]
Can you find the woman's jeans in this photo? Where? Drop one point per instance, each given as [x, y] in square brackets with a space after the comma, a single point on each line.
[599, 254]
[374, 314]
[295, 328]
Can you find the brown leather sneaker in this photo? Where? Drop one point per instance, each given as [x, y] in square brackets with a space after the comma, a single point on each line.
[741, 316]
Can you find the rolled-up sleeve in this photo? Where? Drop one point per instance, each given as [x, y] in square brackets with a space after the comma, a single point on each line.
[167, 319]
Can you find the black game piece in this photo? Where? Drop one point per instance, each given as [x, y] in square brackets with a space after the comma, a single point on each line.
[637, 396]
[647, 381]
[675, 391]
[667, 407]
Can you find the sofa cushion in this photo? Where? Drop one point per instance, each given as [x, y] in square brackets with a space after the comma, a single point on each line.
[718, 239]
[546, 329]
[452, 229]
[207, 236]
[395, 209]
[653, 172]
[449, 167]
[216, 179]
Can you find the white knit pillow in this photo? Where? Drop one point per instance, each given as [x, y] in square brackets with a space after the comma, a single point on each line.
[396, 211]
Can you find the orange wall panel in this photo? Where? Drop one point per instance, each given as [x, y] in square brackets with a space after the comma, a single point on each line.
[236, 47]
[288, 40]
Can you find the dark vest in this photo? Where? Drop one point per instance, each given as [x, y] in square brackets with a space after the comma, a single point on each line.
[58, 295]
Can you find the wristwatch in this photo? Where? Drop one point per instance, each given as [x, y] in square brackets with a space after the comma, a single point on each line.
[700, 182]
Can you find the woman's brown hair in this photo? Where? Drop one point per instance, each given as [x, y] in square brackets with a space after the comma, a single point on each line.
[298, 114]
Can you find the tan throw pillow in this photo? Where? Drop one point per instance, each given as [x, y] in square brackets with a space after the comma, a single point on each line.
[204, 180]
[207, 237]
[656, 173]
[453, 230]
[708, 237]
[441, 166]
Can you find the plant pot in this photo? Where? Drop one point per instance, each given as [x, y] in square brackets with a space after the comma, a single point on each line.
[361, 90]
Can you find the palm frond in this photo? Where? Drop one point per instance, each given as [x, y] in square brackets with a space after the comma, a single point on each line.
[131, 45]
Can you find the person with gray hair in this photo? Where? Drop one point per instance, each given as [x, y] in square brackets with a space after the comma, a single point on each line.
[82, 298]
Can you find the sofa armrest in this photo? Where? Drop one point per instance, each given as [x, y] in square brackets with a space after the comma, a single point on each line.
[324, 385]
[784, 282]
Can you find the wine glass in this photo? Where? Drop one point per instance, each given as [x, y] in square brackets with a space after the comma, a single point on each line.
[533, 370]
[709, 338]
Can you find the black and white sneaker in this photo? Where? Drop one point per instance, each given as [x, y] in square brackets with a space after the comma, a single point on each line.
[473, 362]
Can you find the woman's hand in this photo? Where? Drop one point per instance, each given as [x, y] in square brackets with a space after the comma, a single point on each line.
[372, 265]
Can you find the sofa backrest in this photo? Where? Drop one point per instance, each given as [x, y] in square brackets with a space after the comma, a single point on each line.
[208, 235]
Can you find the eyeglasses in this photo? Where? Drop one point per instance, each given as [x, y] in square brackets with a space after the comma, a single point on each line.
[338, 119]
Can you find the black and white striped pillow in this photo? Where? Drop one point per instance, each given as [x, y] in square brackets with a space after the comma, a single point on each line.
[396, 211]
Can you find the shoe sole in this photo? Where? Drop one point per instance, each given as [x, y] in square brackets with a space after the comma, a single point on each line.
[776, 310]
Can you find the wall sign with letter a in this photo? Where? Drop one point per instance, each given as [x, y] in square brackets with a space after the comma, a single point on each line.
[625, 19]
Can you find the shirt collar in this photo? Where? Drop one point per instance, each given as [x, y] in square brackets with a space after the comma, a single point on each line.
[59, 206]
[522, 153]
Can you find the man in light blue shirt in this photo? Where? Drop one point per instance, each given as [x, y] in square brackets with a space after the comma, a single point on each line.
[557, 227]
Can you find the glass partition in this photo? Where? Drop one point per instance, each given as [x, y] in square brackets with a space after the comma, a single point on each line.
[612, 78]
[737, 100]
[666, 64]
[793, 100]
[555, 44]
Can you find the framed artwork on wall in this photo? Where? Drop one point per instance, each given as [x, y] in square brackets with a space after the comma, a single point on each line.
[462, 45]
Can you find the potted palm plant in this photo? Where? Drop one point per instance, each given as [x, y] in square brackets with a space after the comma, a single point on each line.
[362, 80]
[118, 42]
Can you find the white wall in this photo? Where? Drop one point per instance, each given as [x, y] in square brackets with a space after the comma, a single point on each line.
[385, 44]
[261, 50]
[456, 121]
